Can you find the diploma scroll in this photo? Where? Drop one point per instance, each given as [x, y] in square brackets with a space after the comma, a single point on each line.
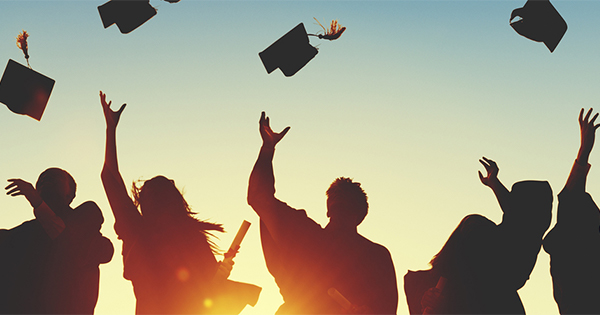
[237, 240]
[338, 297]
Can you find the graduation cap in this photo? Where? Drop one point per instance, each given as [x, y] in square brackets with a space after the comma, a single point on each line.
[539, 22]
[127, 14]
[289, 53]
[25, 91]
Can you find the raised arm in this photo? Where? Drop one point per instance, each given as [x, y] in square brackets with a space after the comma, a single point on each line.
[491, 180]
[50, 222]
[261, 188]
[578, 176]
[125, 212]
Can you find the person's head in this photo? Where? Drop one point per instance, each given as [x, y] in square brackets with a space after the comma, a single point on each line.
[163, 207]
[346, 201]
[159, 199]
[468, 248]
[533, 202]
[56, 187]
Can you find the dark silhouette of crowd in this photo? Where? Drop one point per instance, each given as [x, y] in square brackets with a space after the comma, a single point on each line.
[50, 264]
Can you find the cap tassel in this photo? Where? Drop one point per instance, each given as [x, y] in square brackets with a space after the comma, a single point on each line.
[22, 44]
[334, 32]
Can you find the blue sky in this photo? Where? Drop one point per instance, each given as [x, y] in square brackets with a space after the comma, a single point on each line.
[405, 102]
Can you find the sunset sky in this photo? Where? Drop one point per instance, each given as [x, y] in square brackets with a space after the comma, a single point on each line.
[405, 102]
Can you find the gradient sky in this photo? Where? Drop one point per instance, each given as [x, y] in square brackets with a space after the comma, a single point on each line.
[405, 102]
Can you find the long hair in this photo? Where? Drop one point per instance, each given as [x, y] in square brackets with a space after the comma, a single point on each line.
[162, 194]
[467, 249]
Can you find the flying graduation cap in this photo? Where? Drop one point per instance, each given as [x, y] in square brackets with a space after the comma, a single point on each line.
[127, 14]
[293, 51]
[23, 90]
[539, 22]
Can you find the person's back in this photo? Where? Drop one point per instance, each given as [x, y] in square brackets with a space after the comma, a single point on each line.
[308, 261]
[50, 264]
[166, 252]
[72, 283]
[170, 270]
[23, 254]
[574, 242]
[363, 272]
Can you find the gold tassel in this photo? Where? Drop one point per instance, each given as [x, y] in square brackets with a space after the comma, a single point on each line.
[22, 44]
[334, 32]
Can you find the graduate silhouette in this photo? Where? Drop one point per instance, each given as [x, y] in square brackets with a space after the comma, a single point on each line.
[306, 260]
[574, 242]
[482, 265]
[50, 264]
[168, 254]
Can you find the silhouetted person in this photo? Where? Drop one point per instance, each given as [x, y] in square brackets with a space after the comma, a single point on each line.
[50, 264]
[574, 242]
[463, 264]
[483, 265]
[167, 253]
[307, 260]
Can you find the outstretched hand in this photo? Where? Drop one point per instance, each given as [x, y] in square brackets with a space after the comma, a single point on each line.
[112, 117]
[492, 172]
[19, 187]
[269, 137]
[588, 134]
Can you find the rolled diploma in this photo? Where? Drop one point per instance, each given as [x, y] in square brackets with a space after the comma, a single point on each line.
[441, 283]
[237, 240]
[338, 297]
[440, 286]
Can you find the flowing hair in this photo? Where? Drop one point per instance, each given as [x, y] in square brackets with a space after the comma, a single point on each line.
[171, 201]
[467, 249]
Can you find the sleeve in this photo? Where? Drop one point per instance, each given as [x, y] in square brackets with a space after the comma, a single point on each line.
[3, 236]
[577, 211]
[286, 225]
[52, 224]
[127, 217]
[577, 177]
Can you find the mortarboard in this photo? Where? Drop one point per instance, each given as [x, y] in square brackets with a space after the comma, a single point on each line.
[127, 14]
[289, 53]
[539, 22]
[25, 91]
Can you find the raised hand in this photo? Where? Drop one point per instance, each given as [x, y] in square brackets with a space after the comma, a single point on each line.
[19, 187]
[270, 138]
[112, 117]
[492, 172]
[588, 134]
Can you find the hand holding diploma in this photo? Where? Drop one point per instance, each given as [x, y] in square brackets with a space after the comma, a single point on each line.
[348, 307]
[225, 266]
[431, 298]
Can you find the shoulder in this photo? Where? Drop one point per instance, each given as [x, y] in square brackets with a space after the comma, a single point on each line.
[287, 213]
[88, 206]
[29, 232]
[25, 227]
[416, 283]
[89, 213]
[419, 276]
[375, 249]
